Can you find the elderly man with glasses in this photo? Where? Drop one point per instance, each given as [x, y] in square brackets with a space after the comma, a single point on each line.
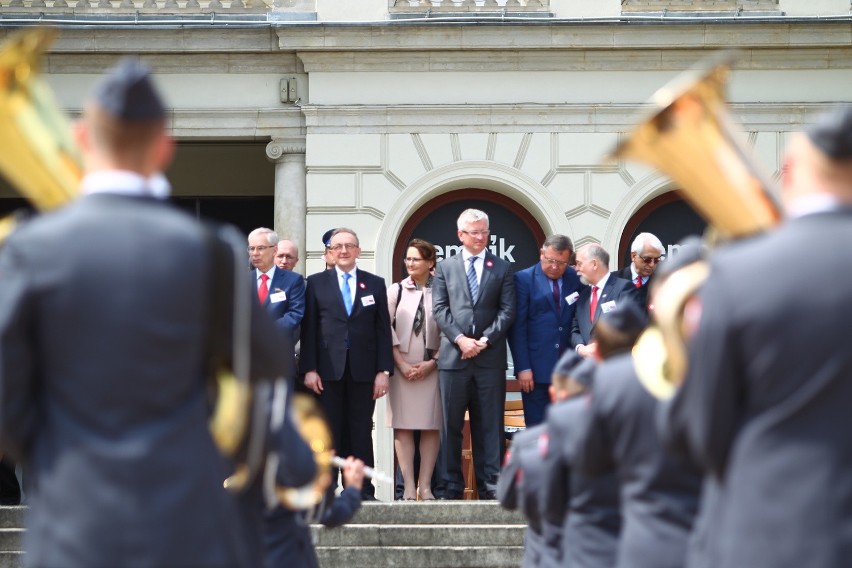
[280, 292]
[545, 297]
[646, 253]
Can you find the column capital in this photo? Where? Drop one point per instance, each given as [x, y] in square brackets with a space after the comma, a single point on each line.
[279, 147]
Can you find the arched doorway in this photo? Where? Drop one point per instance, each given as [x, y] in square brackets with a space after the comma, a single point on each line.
[515, 235]
[669, 217]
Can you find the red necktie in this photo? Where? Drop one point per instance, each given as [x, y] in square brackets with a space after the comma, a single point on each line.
[263, 289]
[593, 303]
[638, 281]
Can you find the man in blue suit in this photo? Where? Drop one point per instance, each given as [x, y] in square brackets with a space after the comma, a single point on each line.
[280, 292]
[546, 295]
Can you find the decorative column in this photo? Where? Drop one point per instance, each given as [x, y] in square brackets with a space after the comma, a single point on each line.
[288, 154]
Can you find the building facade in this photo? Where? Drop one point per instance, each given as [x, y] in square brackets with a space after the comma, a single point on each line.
[389, 116]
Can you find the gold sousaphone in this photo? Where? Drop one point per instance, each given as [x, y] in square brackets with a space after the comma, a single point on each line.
[690, 136]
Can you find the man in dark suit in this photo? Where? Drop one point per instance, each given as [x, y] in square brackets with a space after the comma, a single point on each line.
[768, 386]
[104, 356]
[473, 300]
[346, 350]
[646, 253]
[280, 292]
[604, 293]
[659, 494]
[543, 317]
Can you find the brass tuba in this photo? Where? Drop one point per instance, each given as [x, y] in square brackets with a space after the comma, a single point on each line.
[690, 136]
[39, 158]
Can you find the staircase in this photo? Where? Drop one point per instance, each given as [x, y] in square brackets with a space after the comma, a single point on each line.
[435, 534]
[11, 531]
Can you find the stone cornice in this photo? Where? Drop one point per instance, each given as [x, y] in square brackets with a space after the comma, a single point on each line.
[562, 59]
[404, 119]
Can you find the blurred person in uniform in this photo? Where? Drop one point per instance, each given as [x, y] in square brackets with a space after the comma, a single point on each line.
[520, 486]
[603, 293]
[659, 493]
[328, 255]
[768, 382]
[581, 515]
[286, 255]
[280, 292]
[105, 354]
[546, 295]
[646, 254]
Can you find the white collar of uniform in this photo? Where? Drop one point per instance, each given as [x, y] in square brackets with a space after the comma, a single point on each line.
[812, 203]
[123, 182]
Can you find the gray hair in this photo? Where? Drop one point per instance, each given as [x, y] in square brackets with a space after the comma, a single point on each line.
[345, 230]
[596, 251]
[469, 216]
[643, 239]
[271, 236]
[559, 243]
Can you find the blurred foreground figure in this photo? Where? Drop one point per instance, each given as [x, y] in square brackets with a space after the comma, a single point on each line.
[104, 352]
[770, 372]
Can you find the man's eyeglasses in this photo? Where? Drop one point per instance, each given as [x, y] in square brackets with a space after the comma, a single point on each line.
[476, 234]
[554, 261]
[653, 259]
[258, 249]
[340, 247]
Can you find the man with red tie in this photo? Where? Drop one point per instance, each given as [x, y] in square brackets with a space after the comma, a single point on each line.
[646, 253]
[280, 292]
[603, 293]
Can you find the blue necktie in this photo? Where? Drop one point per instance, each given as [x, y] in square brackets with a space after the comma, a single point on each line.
[471, 279]
[347, 293]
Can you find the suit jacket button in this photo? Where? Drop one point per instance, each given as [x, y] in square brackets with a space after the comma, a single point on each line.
[560, 329]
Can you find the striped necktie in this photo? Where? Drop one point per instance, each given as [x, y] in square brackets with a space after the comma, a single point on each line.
[471, 278]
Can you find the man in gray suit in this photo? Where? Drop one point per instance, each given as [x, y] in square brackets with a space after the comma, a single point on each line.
[768, 387]
[104, 352]
[473, 300]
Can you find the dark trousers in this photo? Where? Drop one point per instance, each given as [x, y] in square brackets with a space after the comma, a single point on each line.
[535, 404]
[10, 489]
[482, 392]
[348, 407]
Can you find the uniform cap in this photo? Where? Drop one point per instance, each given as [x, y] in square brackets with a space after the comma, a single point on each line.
[832, 133]
[127, 93]
[626, 318]
[326, 237]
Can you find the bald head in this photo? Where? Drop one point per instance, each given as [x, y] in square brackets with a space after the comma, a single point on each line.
[287, 255]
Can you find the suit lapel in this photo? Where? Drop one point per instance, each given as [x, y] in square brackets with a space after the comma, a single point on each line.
[360, 287]
[459, 261]
[604, 296]
[487, 264]
[334, 282]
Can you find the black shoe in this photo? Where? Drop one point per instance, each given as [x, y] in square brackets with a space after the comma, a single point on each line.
[368, 498]
[450, 496]
[488, 496]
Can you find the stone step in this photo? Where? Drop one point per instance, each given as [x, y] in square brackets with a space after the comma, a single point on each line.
[422, 556]
[11, 540]
[11, 517]
[11, 559]
[436, 513]
[385, 536]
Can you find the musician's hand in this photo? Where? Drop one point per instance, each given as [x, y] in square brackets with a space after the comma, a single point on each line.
[313, 381]
[353, 473]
